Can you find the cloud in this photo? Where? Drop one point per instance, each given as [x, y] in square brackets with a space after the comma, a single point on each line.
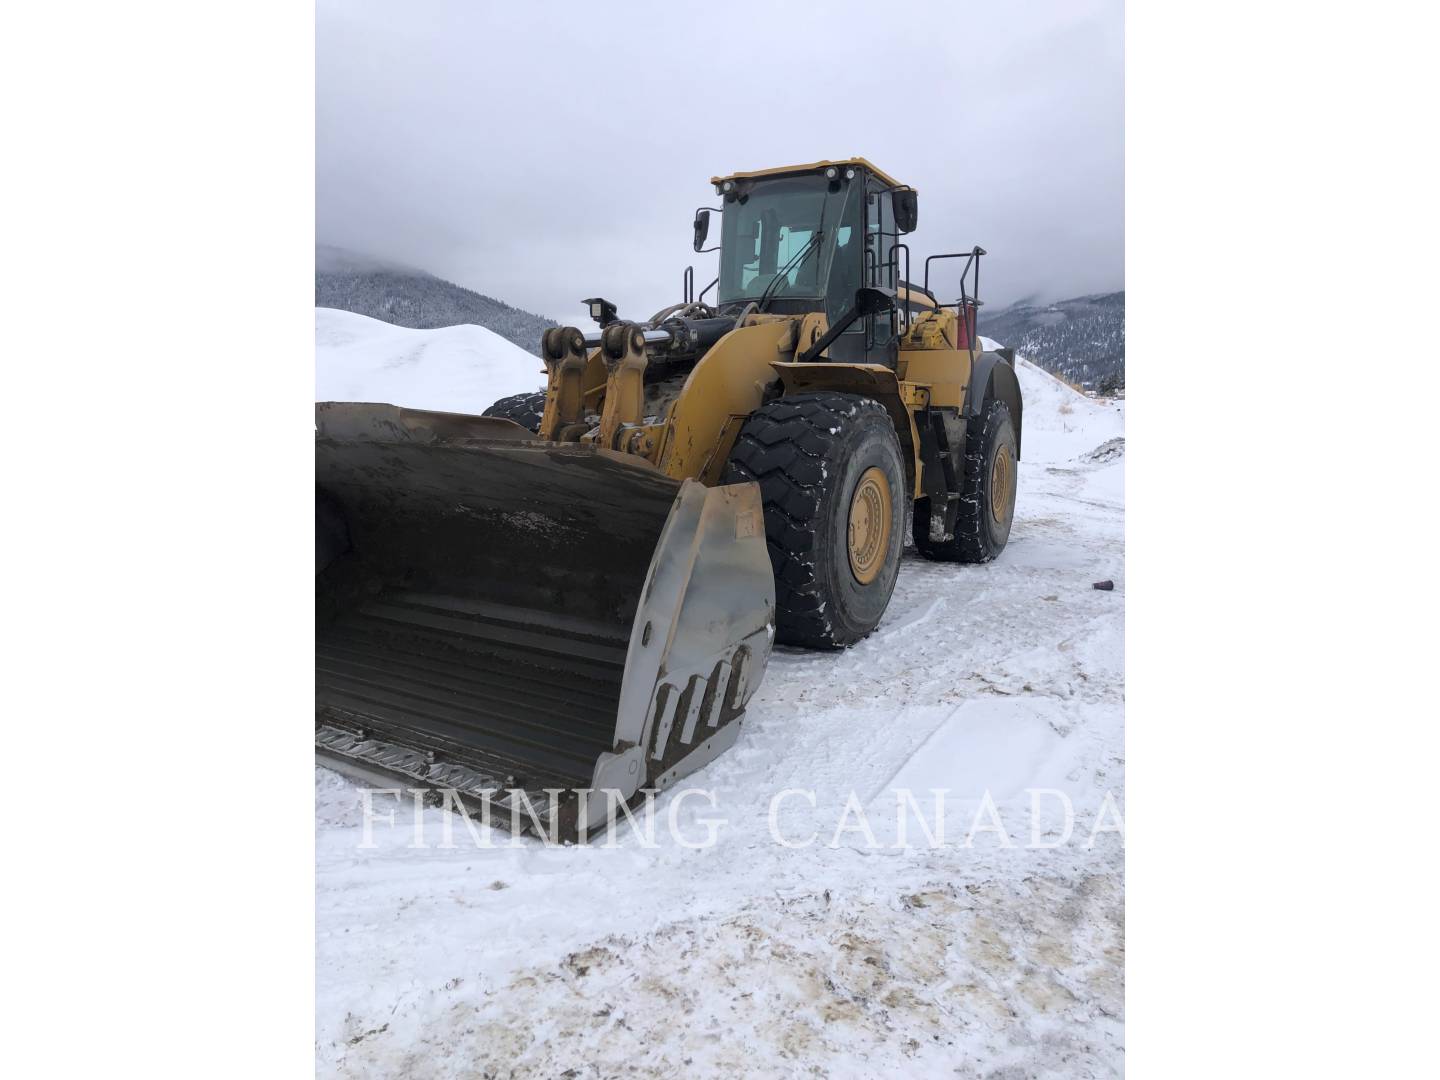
[546, 152]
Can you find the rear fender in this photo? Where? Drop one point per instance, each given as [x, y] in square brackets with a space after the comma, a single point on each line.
[995, 380]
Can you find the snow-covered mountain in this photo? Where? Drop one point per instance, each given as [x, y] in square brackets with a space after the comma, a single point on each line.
[1082, 340]
[409, 297]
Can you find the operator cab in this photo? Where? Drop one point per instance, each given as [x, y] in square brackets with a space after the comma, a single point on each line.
[805, 238]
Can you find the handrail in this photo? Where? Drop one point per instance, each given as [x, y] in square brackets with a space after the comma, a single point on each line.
[967, 307]
[971, 257]
[894, 261]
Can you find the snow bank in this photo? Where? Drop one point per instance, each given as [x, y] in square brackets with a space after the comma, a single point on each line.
[455, 369]
[1061, 423]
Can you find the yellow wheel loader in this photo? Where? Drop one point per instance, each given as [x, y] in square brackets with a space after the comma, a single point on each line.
[572, 598]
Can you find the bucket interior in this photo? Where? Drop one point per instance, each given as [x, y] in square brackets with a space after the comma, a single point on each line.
[476, 602]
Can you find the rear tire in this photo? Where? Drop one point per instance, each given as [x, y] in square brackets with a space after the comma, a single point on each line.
[525, 409]
[987, 503]
[832, 482]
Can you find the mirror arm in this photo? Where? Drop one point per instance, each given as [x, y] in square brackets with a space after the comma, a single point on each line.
[825, 339]
[869, 301]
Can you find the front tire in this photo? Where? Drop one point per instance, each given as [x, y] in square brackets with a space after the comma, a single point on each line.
[987, 504]
[832, 482]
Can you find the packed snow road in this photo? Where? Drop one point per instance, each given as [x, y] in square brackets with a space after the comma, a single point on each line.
[778, 926]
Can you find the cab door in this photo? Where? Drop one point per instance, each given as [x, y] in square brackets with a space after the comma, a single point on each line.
[871, 261]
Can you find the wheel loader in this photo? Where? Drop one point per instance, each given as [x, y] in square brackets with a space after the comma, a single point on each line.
[551, 607]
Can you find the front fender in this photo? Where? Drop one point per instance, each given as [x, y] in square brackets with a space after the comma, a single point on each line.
[728, 382]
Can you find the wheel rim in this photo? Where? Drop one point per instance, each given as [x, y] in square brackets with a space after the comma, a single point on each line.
[869, 525]
[1002, 482]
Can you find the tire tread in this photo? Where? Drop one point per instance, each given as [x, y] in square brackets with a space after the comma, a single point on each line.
[787, 448]
[969, 544]
[524, 409]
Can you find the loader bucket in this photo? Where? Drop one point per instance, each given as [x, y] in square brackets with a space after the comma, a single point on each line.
[525, 623]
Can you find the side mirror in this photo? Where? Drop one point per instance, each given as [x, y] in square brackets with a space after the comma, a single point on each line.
[702, 228]
[907, 209]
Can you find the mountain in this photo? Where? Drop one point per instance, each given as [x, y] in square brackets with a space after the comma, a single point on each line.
[1082, 340]
[404, 296]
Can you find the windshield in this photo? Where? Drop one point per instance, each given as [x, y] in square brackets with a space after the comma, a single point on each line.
[770, 229]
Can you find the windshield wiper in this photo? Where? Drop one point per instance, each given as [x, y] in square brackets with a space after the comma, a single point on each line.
[793, 264]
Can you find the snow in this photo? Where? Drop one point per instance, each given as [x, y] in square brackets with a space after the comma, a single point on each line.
[454, 369]
[749, 957]
[1060, 422]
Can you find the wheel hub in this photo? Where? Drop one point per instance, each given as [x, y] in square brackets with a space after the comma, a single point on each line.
[1002, 481]
[869, 525]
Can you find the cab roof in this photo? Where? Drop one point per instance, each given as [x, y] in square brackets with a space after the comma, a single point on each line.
[814, 166]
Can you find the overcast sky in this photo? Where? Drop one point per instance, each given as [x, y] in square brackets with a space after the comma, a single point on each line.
[542, 152]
